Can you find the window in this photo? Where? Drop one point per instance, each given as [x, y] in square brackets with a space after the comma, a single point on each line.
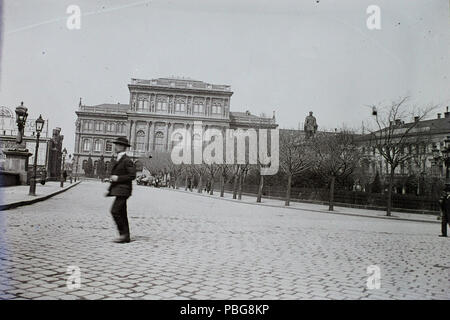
[140, 140]
[87, 125]
[99, 126]
[142, 105]
[180, 107]
[108, 146]
[161, 106]
[86, 145]
[216, 109]
[159, 141]
[198, 108]
[111, 127]
[97, 145]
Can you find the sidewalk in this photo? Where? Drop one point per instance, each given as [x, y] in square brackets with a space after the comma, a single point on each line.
[12, 197]
[415, 217]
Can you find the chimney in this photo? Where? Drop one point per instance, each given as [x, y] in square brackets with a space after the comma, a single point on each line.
[439, 115]
[416, 119]
[447, 114]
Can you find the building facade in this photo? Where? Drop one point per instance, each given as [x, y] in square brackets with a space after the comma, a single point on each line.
[156, 108]
[425, 137]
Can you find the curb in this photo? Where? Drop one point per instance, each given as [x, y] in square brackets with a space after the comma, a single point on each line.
[39, 199]
[310, 210]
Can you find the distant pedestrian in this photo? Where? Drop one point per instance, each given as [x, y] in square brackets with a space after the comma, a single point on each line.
[122, 174]
[445, 209]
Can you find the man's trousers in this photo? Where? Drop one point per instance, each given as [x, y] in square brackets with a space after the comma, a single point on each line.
[444, 222]
[119, 213]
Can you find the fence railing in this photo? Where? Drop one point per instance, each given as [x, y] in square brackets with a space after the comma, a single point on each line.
[353, 198]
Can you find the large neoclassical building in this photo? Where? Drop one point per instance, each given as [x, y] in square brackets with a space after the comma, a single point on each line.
[156, 108]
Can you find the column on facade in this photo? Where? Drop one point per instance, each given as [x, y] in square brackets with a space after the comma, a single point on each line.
[147, 135]
[133, 135]
[154, 102]
[169, 134]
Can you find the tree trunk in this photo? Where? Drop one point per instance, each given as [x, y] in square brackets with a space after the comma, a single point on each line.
[288, 191]
[211, 185]
[241, 182]
[235, 183]
[260, 188]
[199, 190]
[186, 183]
[418, 185]
[222, 185]
[389, 200]
[331, 204]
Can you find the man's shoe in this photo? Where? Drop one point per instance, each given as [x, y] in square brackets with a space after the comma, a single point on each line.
[443, 235]
[123, 239]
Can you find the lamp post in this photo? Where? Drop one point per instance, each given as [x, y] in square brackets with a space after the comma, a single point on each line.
[64, 153]
[446, 154]
[39, 125]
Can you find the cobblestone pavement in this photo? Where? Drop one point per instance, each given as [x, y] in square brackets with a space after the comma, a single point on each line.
[189, 247]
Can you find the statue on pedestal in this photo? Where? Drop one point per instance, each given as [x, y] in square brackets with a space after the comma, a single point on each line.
[310, 126]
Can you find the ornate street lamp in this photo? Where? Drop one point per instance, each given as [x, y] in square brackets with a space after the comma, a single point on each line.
[21, 118]
[64, 153]
[39, 125]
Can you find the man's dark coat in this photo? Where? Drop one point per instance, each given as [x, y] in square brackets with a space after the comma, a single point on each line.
[126, 171]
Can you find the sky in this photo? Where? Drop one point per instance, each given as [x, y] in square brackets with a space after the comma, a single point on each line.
[291, 56]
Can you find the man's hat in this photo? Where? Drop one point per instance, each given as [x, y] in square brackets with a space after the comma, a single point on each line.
[122, 140]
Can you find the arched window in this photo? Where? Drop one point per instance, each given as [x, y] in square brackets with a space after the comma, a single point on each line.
[140, 140]
[159, 141]
[111, 127]
[99, 126]
[87, 145]
[98, 145]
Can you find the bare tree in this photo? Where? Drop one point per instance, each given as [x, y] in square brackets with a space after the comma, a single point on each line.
[336, 156]
[200, 170]
[295, 157]
[392, 138]
[224, 174]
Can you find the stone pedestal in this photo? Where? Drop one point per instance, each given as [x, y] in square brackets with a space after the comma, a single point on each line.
[17, 162]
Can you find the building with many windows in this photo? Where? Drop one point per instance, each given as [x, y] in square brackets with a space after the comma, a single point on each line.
[420, 143]
[156, 108]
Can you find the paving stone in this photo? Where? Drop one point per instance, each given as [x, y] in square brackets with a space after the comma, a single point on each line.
[190, 247]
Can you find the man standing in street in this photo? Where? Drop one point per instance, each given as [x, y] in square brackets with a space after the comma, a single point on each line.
[122, 174]
[445, 210]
